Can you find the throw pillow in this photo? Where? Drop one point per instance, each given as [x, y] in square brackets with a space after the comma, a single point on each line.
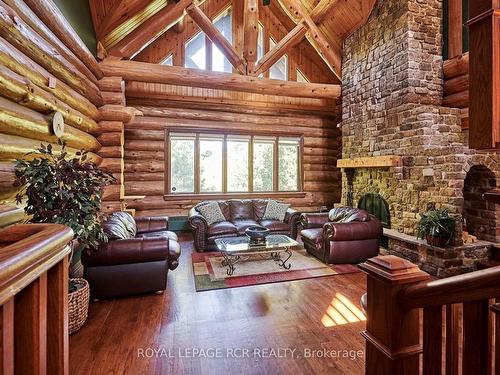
[211, 212]
[275, 211]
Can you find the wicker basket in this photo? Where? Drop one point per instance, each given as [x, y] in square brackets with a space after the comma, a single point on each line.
[78, 302]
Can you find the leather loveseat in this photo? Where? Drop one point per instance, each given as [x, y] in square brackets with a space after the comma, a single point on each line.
[239, 215]
[344, 235]
[136, 258]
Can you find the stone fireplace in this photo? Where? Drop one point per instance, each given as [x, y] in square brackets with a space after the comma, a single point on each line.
[392, 93]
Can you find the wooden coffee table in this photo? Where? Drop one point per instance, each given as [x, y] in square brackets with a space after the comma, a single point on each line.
[276, 247]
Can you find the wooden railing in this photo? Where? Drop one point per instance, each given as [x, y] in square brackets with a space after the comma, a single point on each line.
[459, 325]
[34, 299]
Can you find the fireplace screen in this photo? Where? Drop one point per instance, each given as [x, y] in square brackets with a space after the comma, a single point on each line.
[376, 205]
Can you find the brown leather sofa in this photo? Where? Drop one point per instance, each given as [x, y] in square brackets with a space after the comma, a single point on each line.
[344, 235]
[239, 214]
[136, 258]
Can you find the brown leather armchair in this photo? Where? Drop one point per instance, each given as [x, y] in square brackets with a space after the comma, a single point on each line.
[136, 259]
[344, 235]
[239, 214]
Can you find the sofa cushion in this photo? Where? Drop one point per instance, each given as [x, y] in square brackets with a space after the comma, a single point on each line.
[314, 235]
[347, 214]
[211, 212]
[221, 228]
[259, 208]
[160, 233]
[276, 210]
[275, 225]
[241, 209]
[241, 225]
[119, 226]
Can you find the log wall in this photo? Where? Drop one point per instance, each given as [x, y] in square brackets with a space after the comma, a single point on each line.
[40, 75]
[456, 85]
[180, 107]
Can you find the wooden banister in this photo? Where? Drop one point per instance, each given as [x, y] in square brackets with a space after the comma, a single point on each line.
[34, 299]
[397, 290]
[474, 286]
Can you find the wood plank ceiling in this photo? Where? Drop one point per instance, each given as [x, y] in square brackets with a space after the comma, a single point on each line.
[125, 27]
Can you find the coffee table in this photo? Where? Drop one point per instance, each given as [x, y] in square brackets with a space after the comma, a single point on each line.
[237, 249]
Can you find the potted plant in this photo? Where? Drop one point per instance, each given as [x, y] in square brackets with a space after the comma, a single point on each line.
[437, 227]
[65, 189]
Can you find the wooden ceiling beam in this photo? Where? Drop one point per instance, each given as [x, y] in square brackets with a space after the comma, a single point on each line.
[143, 35]
[283, 46]
[175, 75]
[121, 11]
[330, 55]
[206, 25]
[251, 27]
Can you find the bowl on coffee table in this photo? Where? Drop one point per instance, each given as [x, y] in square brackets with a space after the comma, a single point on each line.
[257, 233]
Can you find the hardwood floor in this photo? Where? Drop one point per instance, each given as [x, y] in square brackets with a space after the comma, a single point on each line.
[121, 335]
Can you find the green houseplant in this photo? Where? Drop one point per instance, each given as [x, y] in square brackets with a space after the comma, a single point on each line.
[65, 189]
[437, 227]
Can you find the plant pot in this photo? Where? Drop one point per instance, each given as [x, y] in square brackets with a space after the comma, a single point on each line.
[438, 241]
[75, 264]
[78, 304]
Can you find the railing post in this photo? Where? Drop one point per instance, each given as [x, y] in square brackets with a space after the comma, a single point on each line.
[496, 355]
[392, 331]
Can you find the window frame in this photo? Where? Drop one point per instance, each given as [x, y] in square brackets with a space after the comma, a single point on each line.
[169, 195]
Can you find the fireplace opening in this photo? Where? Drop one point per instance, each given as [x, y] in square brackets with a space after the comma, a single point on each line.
[481, 217]
[376, 205]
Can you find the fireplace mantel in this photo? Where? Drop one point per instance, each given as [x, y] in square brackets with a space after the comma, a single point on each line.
[384, 161]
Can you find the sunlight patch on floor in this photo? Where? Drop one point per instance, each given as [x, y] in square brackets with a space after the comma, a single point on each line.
[341, 311]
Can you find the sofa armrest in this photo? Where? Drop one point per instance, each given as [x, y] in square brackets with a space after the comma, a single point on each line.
[313, 220]
[151, 224]
[199, 226]
[291, 215]
[355, 230]
[134, 250]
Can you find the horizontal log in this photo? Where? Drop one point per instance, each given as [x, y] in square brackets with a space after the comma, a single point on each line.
[112, 112]
[111, 192]
[112, 84]
[158, 123]
[117, 98]
[28, 16]
[16, 61]
[144, 176]
[144, 166]
[144, 145]
[458, 100]
[20, 121]
[111, 126]
[21, 90]
[322, 175]
[131, 155]
[456, 84]
[226, 101]
[15, 147]
[111, 139]
[7, 177]
[319, 167]
[144, 188]
[145, 135]
[146, 72]
[456, 66]
[22, 36]
[110, 206]
[312, 159]
[111, 152]
[200, 114]
[113, 165]
[51, 16]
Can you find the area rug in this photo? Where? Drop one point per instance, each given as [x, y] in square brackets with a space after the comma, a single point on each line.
[209, 274]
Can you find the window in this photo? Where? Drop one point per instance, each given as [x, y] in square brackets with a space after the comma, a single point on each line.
[196, 52]
[168, 61]
[196, 48]
[204, 163]
[301, 77]
[260, 43]
[280, 69]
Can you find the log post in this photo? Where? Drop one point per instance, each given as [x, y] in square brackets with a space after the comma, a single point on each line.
[392, 331]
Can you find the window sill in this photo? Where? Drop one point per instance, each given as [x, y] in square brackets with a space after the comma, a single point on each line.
[216, 196]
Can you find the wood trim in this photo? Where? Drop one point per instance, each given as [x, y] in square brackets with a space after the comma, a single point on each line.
[454, 28]
[216, 196]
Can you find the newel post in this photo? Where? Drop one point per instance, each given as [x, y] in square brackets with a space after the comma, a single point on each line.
[392, 331]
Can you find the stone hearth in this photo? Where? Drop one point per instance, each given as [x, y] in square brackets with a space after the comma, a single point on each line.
[392, 94]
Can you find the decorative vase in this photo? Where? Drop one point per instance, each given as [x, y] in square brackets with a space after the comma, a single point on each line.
[78, 304]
